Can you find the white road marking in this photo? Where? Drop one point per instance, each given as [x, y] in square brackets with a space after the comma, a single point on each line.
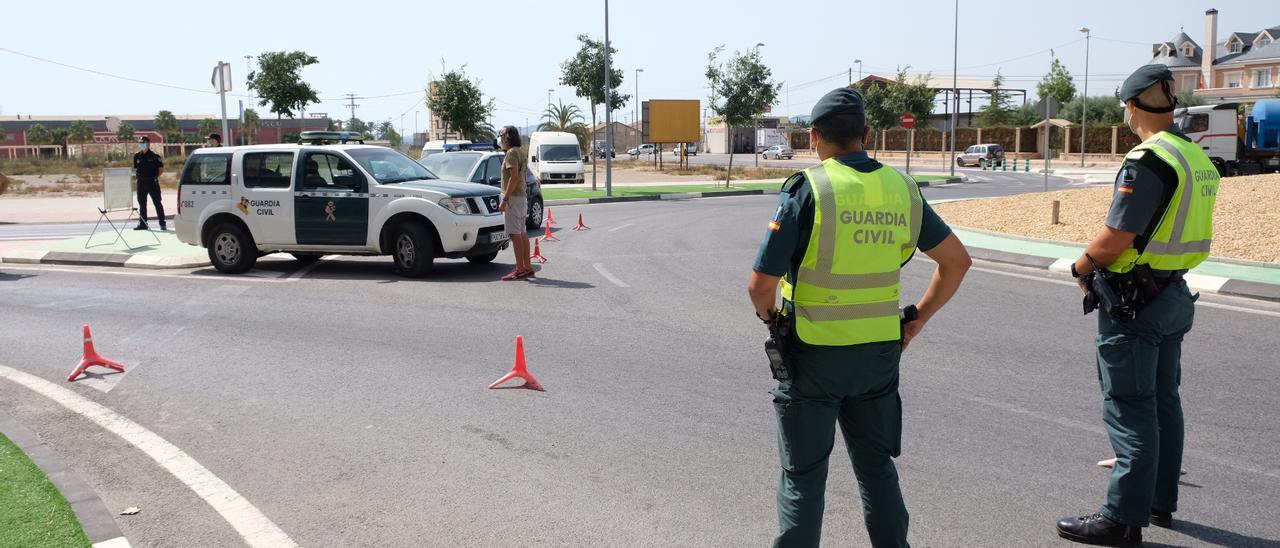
[600, 268]
[256, 278]
[252, 525]
[620, 227]
[118, 542]
[306, 269]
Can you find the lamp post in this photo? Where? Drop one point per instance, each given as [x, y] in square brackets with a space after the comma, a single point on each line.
[859, 63]
[755, 132]
[955, 92]
[549, 99]
[635, 105]
[608, 107]
[1084, 96]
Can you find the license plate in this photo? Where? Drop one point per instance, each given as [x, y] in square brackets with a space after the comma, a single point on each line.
[495, 237]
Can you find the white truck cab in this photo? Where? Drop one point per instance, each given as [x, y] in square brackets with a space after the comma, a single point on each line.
[310, 200]
[556, 157]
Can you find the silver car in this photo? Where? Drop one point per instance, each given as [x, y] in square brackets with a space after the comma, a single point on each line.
[779, 152]
[981, 156]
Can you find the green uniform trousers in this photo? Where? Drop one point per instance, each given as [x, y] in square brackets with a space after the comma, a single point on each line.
[858, 387]
[1139, 371]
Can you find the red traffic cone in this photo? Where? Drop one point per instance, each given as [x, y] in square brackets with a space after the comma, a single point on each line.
[521, 371]
[581, 226]
[537, 253]
[548, 236]
[551, 219]
[91, 358]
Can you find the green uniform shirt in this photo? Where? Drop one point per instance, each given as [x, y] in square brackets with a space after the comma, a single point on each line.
[787, 239]
[1144, 187]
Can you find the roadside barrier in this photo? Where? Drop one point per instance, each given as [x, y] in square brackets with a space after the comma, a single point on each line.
[91, 358]
[521, 371]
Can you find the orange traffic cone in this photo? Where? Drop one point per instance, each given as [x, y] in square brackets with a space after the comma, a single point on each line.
[537, 253]
[520, 371]
[581, 226]
[91, 358]
[549, 236]
[551, 219]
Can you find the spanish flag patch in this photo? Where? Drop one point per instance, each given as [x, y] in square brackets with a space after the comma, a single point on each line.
[775, 226]
[1126, 189]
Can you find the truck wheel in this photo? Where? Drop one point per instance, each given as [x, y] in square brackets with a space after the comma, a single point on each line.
[535, 215]
[483, 259]
[231, 249]
[413, 250]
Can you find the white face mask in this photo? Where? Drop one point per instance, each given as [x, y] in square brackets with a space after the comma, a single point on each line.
[1128, 118]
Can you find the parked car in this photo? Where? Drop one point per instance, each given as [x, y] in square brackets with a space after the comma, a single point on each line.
[645, 149]
[485, 168]
[778, 152]
[313, 200]
[691, 149]
[601, 148]
[981, 156]
[556, 157]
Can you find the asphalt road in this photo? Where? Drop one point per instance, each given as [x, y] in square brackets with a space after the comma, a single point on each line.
[350, 405]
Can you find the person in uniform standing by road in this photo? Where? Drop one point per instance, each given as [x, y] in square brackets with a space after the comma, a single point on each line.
[214, 140]
[515, 202]
[842, 232]
[1160, 225]
[148, 166]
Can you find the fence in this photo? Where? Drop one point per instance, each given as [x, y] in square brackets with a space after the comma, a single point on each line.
[1021, 141]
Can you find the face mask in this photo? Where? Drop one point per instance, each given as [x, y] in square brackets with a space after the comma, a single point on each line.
[1128, 118]
[142, 146]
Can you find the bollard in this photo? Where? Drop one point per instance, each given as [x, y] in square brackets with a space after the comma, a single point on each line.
[1004, 166]
[1057, 206]
[1027, 169]
[982, 165]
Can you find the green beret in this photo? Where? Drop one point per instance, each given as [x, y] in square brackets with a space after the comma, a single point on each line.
[838, 101]
[1143, 78]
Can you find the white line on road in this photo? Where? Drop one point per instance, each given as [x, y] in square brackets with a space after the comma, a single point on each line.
[118, 271]
[306, 269]
[620, 227]
[252, 525]
[600, 268]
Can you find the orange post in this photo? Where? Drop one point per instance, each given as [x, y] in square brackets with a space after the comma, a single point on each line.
[91, 358]
[521, 371]
[580, 225]
[537, 253]
[548, 236]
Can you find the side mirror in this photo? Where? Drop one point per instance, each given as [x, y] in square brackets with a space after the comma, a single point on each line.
[533, 160]
[495, 181]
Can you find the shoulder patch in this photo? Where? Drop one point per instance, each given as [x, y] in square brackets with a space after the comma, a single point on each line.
[1136, 154]
[792, 182]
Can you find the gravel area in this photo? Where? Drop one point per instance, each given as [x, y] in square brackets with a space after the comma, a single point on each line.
[1246, 222]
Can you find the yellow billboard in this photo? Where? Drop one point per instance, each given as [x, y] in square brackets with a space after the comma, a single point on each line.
[672, 121]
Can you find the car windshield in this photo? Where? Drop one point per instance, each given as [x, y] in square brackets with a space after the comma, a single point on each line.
[560, 153]
[454, 166]
[388, 166]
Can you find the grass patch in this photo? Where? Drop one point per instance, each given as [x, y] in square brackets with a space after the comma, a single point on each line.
[33, 513]
[930, 178]
[551, 193]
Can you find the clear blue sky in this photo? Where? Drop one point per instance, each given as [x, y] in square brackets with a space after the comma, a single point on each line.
[375, 48]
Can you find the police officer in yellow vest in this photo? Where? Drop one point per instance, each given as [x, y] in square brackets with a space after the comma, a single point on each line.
[1159, 226]
[841, 234]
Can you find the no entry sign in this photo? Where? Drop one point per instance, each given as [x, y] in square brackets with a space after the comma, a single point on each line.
[908, 120]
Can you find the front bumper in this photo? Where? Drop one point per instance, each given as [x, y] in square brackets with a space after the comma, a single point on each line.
[487, 240]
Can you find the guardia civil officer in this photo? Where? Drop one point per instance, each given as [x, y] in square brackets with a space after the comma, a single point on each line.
[148, 166]
[842, 232]
[214, 140]
[1159, 226]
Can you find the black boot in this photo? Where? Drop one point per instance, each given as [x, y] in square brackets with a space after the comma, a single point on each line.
[1162, 519]
[1097, 529]
[141, 226]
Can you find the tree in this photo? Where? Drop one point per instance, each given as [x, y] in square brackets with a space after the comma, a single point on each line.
[357, 125]
[60, 138]
[997, 112]
[880, 114]
[584, 72]
[1103, 110]
[1057, 82]
[166, 124]
[3, 135]
[207, 126]
[915, 96]
[278, 81]
[1025, 115]
[459, 104]
[387, 132]
[80, 132]
[741, 89]
[1188, 98]
[125, 132]
[251, 126]
[566, 118]
[38, 135]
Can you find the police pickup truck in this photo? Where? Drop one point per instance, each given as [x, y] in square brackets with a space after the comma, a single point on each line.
[319, 198]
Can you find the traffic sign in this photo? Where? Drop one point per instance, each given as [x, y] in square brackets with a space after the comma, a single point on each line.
[1048, 107]
[908, 120]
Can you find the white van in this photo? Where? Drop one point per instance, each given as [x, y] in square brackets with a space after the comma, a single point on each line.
[556, 157]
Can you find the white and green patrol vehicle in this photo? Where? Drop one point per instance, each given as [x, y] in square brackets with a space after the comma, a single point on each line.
[319, 198]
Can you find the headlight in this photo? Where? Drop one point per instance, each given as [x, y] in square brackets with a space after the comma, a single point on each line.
[456, 205]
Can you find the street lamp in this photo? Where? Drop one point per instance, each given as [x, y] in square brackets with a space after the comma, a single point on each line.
[635, 105]
[859, 62]
[755, 133]
[1084, 97]
[955, 92]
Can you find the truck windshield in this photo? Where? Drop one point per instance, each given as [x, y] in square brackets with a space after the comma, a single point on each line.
[560, 153]
[454, 166]
[388, 166]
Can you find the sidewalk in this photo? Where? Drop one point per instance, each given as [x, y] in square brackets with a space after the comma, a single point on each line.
[1224, 276]
[66, 209]
[146, 253]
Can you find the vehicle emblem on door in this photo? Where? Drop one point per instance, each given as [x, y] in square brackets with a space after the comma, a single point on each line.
[243, 205]
[329, 210]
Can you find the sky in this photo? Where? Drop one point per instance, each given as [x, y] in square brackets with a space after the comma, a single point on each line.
[385, 52]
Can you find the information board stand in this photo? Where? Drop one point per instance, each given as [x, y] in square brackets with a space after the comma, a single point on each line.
[117, 196]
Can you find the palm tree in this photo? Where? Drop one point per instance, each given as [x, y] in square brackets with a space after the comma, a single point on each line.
[566, 118]
[251, 126]
[125, 132]
[166, 124]
[39, 135]
[207, 126]
[80, 132]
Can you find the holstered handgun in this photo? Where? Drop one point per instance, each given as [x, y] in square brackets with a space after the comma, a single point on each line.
[1115, 294]
[778, 344]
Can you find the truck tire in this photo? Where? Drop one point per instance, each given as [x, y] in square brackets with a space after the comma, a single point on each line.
[535, 214]
[413, 250]
[231, 248]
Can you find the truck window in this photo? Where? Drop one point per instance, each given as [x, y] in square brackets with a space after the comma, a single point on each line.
[1196, 123]
[328, 171]
[207, 169]
[267, 169]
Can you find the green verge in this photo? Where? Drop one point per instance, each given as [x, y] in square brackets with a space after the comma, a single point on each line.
[33, 513]
[550, 192]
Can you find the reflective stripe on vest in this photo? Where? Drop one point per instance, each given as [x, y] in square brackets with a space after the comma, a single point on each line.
[847, 288]
[1184, 234]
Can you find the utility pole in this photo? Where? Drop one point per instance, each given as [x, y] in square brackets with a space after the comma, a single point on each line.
[1084, 97]
[608, 107]
[351, 103]
[955, 91]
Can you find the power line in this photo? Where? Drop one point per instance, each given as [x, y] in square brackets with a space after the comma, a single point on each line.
[351, 103]
[107, 74]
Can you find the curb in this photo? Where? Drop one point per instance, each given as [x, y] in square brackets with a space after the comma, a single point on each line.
[1198, 282]
[97, 523]
[125, 260]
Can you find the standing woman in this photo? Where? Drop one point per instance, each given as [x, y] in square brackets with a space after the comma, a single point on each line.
[515, 202]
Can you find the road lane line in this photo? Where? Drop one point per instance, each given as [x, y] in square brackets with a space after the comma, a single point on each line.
[306, 270]
[600, 268]
[620, 227]
[147, 274]
[252, 525]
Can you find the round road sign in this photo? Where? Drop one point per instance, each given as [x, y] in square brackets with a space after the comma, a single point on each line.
[908, 120]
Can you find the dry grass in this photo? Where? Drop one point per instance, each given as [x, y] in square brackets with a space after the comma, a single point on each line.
[1246, 221]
